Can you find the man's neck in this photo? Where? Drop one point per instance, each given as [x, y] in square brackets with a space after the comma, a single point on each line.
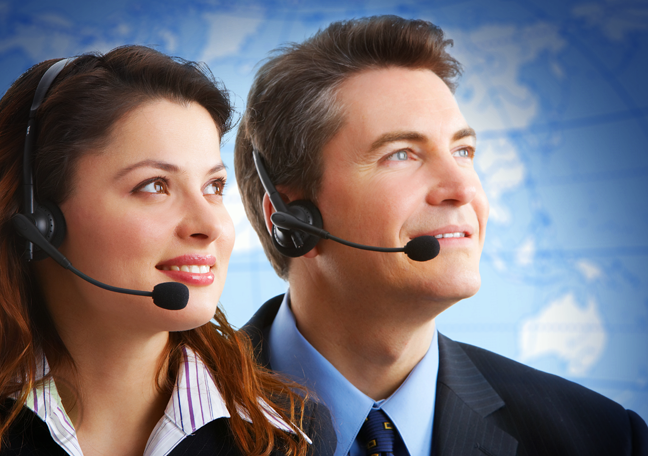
[372, 348]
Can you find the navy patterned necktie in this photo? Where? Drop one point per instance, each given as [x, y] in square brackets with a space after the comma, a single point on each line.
[378, 434]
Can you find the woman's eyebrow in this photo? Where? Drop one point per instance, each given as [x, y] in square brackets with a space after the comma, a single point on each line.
[221, 166]
[168, 167]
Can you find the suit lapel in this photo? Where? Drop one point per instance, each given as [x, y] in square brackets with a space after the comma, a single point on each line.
[258, 327]
[464, 401]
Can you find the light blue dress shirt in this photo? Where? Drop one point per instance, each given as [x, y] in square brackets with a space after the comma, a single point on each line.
[410, 408]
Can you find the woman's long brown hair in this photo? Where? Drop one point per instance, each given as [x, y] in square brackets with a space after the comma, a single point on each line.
[90, 95]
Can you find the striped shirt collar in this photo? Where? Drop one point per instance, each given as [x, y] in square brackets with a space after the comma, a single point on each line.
[195, 402]
[45, 402]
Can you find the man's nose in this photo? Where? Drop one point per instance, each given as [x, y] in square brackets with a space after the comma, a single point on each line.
[452, 183]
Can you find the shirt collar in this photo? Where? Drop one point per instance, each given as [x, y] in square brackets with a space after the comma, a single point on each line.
[411, 407]
[195, 402]
[44, 401]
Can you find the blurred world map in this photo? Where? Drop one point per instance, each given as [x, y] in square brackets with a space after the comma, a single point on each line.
[558, 94]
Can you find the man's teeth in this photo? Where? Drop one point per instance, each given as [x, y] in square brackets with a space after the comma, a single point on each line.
[449, 235]
[202, 269]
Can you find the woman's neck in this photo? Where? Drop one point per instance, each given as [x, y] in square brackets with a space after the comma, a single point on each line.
[112, 396]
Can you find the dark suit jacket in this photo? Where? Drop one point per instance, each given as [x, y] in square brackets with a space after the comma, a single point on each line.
[487, 404]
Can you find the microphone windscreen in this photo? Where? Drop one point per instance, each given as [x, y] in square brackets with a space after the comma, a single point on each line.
[422, 248]
[171, 295]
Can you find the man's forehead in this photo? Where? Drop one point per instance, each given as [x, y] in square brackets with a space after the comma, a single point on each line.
[386, 105]
[386, 90]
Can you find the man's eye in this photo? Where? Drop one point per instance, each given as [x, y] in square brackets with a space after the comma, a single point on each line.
[214, 188]
[401, 155]
[156, 186]
[463, 153]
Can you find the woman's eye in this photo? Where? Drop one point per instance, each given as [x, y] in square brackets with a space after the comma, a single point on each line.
[156, 186]
[401, 155]
[214, 188]
[462, 153]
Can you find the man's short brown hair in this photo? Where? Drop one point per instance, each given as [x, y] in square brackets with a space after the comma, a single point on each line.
[292, 109]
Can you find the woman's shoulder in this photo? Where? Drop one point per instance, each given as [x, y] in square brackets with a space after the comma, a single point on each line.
[28, 435]
[216, 438]
[213, 438]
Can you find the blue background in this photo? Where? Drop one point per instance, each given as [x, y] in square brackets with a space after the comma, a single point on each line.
[557, 92]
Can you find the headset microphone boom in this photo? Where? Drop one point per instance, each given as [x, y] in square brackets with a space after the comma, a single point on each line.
[298, 226]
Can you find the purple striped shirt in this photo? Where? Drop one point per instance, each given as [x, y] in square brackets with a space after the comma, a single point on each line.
[195, 402]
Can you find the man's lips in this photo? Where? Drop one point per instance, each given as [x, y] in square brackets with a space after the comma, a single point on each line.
[450, 232]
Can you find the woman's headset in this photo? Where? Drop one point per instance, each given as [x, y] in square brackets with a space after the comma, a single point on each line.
[43, 224]
[46, 216]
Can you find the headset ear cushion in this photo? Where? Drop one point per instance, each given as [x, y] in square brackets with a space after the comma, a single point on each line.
[51, 223]
[307, 212]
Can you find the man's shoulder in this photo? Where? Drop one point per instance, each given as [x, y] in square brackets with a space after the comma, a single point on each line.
[258, 327]
[546, 412]
[263, 318]
[511, 378]
[316, 421]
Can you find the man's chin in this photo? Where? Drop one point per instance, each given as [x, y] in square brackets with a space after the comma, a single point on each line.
[451, 292]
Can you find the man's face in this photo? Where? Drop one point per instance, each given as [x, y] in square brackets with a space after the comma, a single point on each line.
[400, 167]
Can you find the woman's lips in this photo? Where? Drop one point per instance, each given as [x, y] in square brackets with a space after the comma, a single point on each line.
[191, 269]
[189, 259]
[190, 278]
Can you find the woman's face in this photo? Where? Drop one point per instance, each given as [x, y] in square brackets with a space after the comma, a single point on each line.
[146, 209]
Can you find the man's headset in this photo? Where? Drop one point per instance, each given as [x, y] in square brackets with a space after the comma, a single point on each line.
[297, 227]
[43, 225]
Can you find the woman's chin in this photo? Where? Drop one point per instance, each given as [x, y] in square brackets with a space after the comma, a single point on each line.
[196, 314]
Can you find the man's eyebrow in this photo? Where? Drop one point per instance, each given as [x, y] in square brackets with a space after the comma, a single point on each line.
[463, 133]
[168, 167]
[396, 136]
[415, 136]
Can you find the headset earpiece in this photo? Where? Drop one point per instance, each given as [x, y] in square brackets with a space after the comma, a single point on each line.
[46, 217]
[50, 221]
[282, 239]
[291, 243]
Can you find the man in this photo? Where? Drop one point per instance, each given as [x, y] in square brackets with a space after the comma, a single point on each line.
[361, 121]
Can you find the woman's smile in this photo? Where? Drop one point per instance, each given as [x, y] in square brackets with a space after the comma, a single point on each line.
[193, 269]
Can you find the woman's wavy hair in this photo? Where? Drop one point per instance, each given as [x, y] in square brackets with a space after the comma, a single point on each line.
[83, 104]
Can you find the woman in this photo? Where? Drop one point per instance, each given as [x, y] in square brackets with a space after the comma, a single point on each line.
[127, 146]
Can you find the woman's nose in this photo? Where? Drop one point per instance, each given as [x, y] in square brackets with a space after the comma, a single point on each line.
[203, 220]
